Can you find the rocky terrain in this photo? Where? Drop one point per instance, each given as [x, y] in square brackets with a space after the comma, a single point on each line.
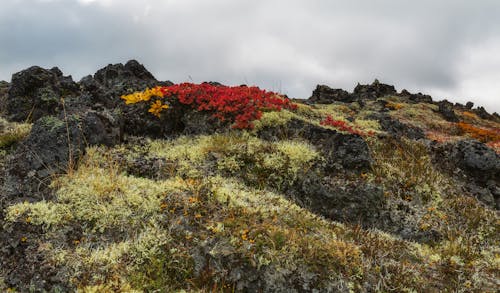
[373, 190]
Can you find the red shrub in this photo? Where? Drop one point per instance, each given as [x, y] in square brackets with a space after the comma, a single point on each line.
[343, 126]
[239, 105]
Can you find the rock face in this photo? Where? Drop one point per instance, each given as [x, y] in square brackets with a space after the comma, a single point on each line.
[344, 201]
[446, 110]
[373, 91]
[325, 95]
[398, 129]
[36, 92]
[53, 147]
[343, 152]
[475, 163]
[416, 98]
[112, 81]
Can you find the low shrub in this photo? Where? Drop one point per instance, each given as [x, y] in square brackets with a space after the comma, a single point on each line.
[239, 105]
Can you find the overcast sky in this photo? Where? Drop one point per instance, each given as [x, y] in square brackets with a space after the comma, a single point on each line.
[449, 49]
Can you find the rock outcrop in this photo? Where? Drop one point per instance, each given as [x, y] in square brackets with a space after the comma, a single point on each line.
[37, 92]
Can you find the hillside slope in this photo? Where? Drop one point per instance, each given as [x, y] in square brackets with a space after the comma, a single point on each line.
[369, 191]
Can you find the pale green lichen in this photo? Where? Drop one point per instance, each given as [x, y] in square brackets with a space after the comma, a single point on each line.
[12, 132]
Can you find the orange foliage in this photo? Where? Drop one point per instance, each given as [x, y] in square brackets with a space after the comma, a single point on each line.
[394, 106]
[469, 115]
[481, 134]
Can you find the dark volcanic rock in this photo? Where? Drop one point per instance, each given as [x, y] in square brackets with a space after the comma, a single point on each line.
[476, 164]
[104, 89]
[348, 152]
[482, 113]
[47, 151]
[340, 200]
[326, 95]
[373, 91]
[398, 129]
[416, 98]
[37, 92]
[114, 80]
[446, 110]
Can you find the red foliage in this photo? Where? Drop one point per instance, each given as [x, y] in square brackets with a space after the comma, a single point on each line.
[343, 126]
[240, 104]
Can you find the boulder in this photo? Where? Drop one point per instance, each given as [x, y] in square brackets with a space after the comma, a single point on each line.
[114, 80]
[446, 110]
[325, 95]
[483, 114]
[473, 163]
[416, 98]
[397, 129]
[373, 91]
[53, 147]
[36, 92]
[343, 152]
[340, 200]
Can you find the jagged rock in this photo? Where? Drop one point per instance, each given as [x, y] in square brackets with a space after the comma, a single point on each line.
[416, 98]
[36, 92]
[446, 110]
[347, 152]
[469, 105]
[373, 91]
[325, 95]
[54, 146]
[474, 162]
[482, 113]
[114, 80]
[398, 129]
[104, 89]
[340, 200]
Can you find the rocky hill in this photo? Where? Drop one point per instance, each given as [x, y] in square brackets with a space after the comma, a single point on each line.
[370, 191]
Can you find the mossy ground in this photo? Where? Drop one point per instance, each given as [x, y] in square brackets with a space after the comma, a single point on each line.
[217, 218]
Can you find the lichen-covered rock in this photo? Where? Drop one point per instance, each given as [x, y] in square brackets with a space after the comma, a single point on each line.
[342, 152]
[54, 146]
[37, 92]
[475, 163]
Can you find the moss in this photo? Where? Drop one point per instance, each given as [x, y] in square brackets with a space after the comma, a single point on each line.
[51, 122]
[11, 132]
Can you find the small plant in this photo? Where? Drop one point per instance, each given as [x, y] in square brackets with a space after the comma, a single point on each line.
[394, 106]
[343, 126]
[240, 105]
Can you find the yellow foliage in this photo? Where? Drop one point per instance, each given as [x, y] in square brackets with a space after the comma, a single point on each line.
[143, 96]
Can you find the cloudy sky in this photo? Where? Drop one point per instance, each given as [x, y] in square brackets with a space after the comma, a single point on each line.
[447, 48]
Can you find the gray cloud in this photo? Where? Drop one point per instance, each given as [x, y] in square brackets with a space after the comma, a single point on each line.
[445, 48]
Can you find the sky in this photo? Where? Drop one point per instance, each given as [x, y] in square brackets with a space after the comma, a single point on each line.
[447, 48]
